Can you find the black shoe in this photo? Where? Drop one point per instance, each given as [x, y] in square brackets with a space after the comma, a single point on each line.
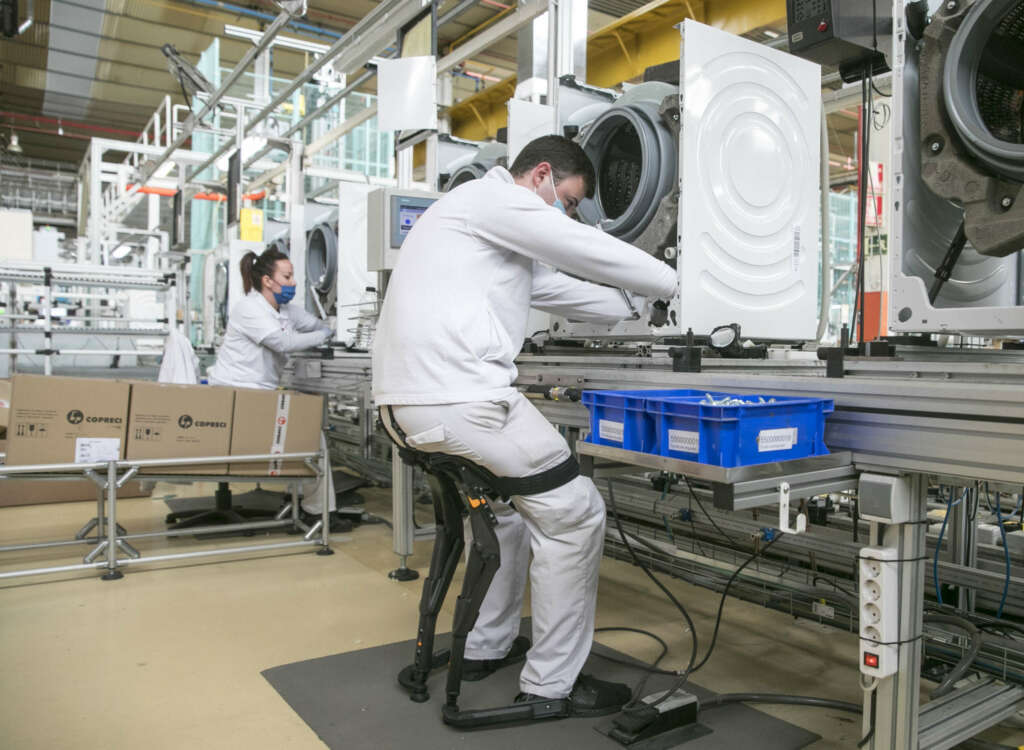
[590, 697]
[476, 669]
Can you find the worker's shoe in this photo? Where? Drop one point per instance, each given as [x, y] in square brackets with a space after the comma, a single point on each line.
[477, 669]
[590, 697]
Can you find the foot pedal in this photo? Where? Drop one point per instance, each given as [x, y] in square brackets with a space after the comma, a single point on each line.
[671, 722]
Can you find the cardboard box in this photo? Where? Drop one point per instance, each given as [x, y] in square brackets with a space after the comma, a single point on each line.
[180, 421]
[5, 405]
[37, 492]
[275, 422]
[58, 420]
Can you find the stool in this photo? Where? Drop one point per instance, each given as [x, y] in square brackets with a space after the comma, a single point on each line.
[460, 486]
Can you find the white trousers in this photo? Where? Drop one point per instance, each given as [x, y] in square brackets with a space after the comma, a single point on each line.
[563, 528]
[312, 491]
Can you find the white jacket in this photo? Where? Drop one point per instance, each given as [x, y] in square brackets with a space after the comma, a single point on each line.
[454, 316]
[259, 339]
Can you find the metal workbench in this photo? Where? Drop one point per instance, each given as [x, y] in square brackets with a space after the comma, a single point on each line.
[112, 539]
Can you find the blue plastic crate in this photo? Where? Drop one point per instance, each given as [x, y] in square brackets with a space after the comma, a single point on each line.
[740, 435]
[621, 419]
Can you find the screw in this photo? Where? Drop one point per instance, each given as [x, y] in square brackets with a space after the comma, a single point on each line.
[951, 5]
[1006, 202]
[936, 147]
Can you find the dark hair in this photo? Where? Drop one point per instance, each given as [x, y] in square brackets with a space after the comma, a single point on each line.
[566, 157]
[254, 267]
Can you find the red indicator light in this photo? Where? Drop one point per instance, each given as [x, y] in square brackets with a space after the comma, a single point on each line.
[871, 660]
[823, 27]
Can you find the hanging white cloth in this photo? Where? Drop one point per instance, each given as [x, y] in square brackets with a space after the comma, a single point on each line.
[180, 364]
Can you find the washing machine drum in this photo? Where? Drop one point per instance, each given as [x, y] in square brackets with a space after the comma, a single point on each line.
[464, 174]
[635, 160]
[321, 260]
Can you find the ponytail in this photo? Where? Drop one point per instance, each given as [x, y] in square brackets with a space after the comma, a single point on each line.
[254, 267]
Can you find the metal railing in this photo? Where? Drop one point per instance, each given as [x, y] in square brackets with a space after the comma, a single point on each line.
[111, 538]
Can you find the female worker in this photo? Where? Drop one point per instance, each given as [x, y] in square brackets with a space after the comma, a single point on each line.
[262, 330]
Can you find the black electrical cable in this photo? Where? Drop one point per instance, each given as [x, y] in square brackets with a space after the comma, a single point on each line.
[721, 603]
[871, 731]
[947, 685]
[653, 666]
[703, 510]
[648, 669]
[865, 144]
[660, 585]
[782, 700]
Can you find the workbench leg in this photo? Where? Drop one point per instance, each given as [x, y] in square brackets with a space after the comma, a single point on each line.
[326, 487]
[112, 573]
[402, 521]
[898, 697]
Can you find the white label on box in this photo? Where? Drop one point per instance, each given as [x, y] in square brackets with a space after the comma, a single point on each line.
[280, 431]
[94, 450]
[684, 441]
[776, 440]
[614, 431]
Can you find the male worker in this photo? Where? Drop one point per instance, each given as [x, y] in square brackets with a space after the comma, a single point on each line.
[453, 320]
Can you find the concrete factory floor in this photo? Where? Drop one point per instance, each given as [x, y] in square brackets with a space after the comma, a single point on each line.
[170, 656]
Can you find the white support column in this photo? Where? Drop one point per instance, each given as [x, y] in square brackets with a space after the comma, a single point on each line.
[297, 219]
[898, 697]
[95, 200]
[153, 261]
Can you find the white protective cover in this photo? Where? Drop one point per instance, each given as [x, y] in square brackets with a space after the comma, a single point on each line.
[749, 166]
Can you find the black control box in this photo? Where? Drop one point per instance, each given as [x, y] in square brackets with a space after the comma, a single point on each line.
[851, 34]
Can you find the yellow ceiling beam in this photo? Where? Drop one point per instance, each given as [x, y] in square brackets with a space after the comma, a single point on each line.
[741, 16]
[622, 50]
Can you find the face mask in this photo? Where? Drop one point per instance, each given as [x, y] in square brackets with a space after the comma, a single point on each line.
[558, 203]
[286, 294]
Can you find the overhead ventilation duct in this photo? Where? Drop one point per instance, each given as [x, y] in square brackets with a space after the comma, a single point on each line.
[322, 266]
[476, 166]
[633, 145]
[972, 118]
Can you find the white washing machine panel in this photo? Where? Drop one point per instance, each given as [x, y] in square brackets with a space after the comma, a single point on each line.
[749, 168]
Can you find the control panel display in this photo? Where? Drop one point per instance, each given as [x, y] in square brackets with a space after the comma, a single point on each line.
[405, 211]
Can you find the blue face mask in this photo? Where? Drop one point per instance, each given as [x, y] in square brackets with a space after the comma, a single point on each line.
[558, 203]
[286, 294]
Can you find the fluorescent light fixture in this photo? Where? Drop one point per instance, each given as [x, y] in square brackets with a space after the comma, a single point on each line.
[121, 252]
[771, 33]
[289, 42]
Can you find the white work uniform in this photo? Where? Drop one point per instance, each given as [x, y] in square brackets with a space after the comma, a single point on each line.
[453, 321]
[255, 351]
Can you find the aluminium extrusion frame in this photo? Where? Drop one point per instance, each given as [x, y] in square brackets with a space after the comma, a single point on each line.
[109, 476]
[949, 414]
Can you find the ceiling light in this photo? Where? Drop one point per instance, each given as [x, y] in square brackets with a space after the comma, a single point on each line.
[12, 145]
[771, 33]
[121, 251]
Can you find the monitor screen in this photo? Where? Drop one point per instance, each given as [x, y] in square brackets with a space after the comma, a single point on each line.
[407, 216]
[406, 210]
